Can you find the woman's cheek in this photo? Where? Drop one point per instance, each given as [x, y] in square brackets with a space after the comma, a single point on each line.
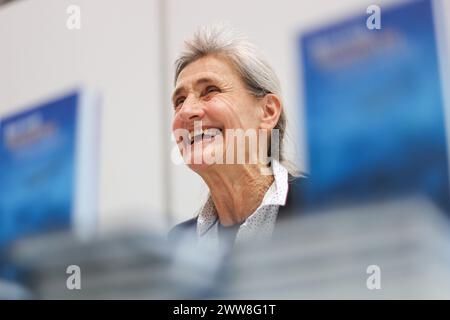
[222, 109]
[176, 123]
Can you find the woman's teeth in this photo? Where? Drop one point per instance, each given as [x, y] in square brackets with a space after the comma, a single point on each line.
[203, 134]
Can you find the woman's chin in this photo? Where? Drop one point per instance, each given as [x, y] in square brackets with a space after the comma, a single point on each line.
[201, 162]
[198, 168]
[203, 157]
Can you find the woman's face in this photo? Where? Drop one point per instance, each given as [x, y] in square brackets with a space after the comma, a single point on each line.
[209, 99]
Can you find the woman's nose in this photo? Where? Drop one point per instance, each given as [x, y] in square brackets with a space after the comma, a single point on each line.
[192, 110]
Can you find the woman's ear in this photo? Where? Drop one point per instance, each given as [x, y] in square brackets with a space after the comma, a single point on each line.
[271, 111]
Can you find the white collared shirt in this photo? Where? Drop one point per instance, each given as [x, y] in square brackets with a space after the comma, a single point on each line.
[260, 224]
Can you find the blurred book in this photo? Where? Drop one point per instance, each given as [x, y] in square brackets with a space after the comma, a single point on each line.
[374, 110]
[327, 255]
[48, 168]
[132, 265]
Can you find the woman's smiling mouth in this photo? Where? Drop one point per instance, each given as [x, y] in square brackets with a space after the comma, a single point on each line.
[204, 135]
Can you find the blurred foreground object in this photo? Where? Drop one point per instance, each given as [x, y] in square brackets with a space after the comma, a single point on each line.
[127, 266]
[13, 291]
[326, 255]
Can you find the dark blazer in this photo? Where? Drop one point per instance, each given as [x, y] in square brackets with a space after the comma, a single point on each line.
[293, 202]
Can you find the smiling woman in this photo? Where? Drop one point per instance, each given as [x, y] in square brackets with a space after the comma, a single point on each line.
[229, 125]
[211, 95]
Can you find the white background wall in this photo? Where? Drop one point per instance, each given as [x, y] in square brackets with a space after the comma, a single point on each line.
[126, 49]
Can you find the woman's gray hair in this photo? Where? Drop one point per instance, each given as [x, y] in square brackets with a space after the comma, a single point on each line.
[256, 73]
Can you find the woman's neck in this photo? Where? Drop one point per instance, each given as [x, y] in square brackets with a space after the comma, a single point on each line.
[236, 190]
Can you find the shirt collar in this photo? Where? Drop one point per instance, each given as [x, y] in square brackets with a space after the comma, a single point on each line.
[276, 195]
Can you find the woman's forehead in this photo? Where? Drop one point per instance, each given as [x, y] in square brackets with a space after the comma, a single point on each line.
[213, 67]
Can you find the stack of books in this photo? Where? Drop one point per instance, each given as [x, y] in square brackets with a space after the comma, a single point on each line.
[126, 266]
[398, 249]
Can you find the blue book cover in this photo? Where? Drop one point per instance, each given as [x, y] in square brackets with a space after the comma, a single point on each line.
[374, 114]
[47, 168]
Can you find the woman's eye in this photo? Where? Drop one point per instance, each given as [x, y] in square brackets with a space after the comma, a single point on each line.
[178, 102]
[211, 89]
